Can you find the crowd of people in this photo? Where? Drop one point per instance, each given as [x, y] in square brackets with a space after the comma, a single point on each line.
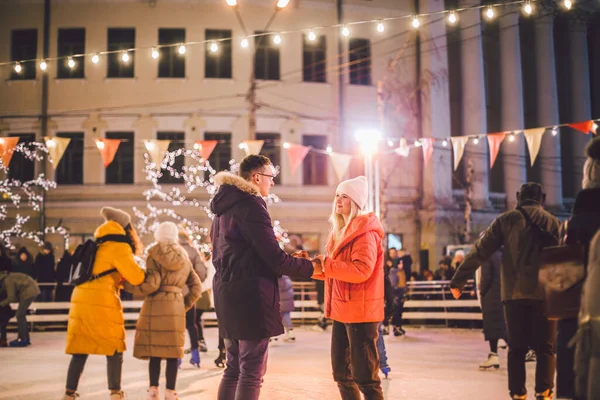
[362, 291]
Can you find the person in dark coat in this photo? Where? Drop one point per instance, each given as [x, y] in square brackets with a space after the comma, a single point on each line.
[22, 289]
[494, 327]
[23, 262]
[44, 273]
[63, 276]
[286, 296]
[6, 312]
[248, 261]
[388, 312]
[526, 320]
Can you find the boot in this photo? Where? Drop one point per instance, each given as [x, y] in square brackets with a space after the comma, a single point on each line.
[546, 395]
[492, 362]
[530, 356]
[289, 336]
[398, 331]
[3, 343]
[117, 396]
[220, 361]
[385, 330]
[179, 363]
[386, 370]
[71, 396]
[519, 397]
[20, 343]
[202, 346]
[502, 344]
[153, 393]
[171, 395]
[195, 360]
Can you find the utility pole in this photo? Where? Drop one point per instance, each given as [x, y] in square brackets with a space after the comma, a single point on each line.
[44, 113]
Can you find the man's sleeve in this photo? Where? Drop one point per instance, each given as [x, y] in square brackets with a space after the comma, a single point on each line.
[257, 229]
[483, 249]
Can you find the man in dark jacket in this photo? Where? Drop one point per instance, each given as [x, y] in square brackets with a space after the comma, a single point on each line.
[521, 232]
[44, 272]
[248, 261]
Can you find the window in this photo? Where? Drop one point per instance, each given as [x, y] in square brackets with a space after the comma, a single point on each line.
[70, 167]
[20, 167]
[177, 142]
[315, 164]
[71, 41]
[120, 171]
[266, 60]
[24, 47]
[221, 155]
[171, 64]
[271, 149]
[218, 64]
[314, 59]
[120, 39]
[360, 61]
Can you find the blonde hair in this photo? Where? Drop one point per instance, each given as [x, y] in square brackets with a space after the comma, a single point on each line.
[338, 224]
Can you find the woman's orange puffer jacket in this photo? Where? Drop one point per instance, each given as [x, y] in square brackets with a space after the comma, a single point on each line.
[354, 273]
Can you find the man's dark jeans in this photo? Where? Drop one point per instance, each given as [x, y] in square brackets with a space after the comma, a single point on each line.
[246, 367]
[22, 317]
[355, 360]
[528, 327]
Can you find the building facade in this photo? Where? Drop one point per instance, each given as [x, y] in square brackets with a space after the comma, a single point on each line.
[442, 80]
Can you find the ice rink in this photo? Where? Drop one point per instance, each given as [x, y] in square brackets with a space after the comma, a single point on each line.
[429, 363]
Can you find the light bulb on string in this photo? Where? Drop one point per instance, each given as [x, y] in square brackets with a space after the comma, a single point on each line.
[390, 143]
[43, 66]
[18, 68]
[476, 141]
[286, 145]
[244, 43]
[568, 4]
[445, 143]
[312, 36]
[125, 57]
[181, 50]
[100, 144]
[231, 3]
[345, 31]
[214, 47]
[155, 53]
[71, 63]
[511, 138]
[417, 143]
[415, 22]
[489, 12]
[329, 149]
[528, 8]
[380, 27]
[452, 17]
[95, 59]
[555, 131]
[277, 39]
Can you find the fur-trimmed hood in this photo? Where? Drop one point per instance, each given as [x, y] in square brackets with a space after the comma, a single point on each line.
[233, 189]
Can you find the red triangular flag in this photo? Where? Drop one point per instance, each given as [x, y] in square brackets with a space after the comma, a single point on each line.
[206, 147]
[427, 144]
[494, 141]
[296, 154]
[108, 148]
[7, 148]
[584, 127]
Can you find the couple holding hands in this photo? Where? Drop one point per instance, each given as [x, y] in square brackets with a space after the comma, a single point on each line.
[248, 261]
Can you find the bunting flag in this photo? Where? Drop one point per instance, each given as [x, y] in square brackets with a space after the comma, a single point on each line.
[7, 148]
[56, 147]
[157, 149]
[458, 147]
[108, 148]
[585, 127]
[296, 154]
[341, 163]
[427, 144]
[252, 146]
[206, 147]
[533, 137]
[403, 150]
[494, 141]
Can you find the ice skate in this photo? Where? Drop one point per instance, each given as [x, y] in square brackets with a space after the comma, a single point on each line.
[385, 371]
[530, 356]
[71, 396]
[546, 395]
[195, 359]
[398, 331]
[220, 361]
[153, 393]
[289, 336]
[171, 395]
[117, 396]
[492, 362]
[502, 344]
[202, 346]
[385, 331]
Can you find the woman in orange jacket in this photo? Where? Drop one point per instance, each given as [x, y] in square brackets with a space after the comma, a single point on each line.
[354, 290]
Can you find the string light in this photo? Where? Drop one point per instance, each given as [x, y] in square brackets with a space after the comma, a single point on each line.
[528, 8]
[417, 143]
[452, 17]
[125, 57]
[445, 143]
[100, 144]
[181, 49]
[312, 36]
[329, 149]
[95, 59]
[277, 39]
[380, 27]
[43, 65]
[286, 145]
[214, 47]
[476, 141]
[18, 68]
[244, 43]
[555, 131]
[390, 143]
[415, 22]
[282, 3]
[345, 31]
[231, 3]
[568, 4]
[489, 12]
[155, 53]
[511, 138]
[594, 127]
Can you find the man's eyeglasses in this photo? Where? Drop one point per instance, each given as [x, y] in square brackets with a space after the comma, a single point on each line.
[267, 175]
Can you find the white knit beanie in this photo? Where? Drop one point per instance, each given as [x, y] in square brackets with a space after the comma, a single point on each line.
[591, 169]
[357, 189]
[166, 232]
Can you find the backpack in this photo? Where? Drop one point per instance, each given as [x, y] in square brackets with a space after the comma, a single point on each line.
[83, 259]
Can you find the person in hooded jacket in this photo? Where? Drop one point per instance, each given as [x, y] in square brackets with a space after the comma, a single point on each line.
[160, 329]
[22, 289]
[248, 261]
[96, 322]
[354, 291]
[286, 296]
[23, 262]
[578, 372]
[44, 272]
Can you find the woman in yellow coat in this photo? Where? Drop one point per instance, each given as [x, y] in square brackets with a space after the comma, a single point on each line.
[96, 323]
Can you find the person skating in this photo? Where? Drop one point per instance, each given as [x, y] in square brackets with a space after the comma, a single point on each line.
[354, 291]
[388, 312]
[6, 312]
[160, 329]
[286, 299]
[248, 261]
[526, 320]
[22, 289]
[96, 324]
[45, 273]
[398, 280]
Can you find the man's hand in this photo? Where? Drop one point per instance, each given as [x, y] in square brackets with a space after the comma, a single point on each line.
[319, 264]
[301, 254]
[456, 292]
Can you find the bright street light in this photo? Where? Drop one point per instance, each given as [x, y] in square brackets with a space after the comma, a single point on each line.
[282, 3]
[369, 140]
[231, 3]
